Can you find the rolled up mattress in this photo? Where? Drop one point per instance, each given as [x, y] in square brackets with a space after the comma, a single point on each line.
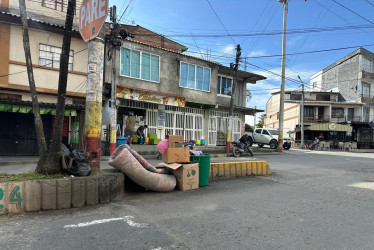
[124, 161]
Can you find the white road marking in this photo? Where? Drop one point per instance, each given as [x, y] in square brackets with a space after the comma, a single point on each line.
[127, 219]
[366, 185]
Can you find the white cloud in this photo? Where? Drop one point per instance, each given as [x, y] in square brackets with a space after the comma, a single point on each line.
[228, 49]
[257, 53]
[294, 40]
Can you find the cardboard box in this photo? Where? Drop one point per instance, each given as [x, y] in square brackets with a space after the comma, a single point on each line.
[187, 175]
[175, 141]
[176, 155]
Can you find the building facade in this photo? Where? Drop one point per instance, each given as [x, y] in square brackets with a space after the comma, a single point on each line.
[353, 77]
[324, 116]
[17, 133]
[175, 93]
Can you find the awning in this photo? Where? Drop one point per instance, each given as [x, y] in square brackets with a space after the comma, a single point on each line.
[330, 127]
[243, 110]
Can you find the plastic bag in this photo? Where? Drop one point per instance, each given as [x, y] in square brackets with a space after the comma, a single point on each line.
[163, 146]
[79, 166]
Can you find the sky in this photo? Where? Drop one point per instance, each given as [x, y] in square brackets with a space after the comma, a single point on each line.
[211, 29]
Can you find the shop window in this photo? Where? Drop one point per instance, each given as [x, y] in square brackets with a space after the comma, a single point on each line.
[49, 56]
[194, 77]
[224, 86]
[140, 65]
[337, 113]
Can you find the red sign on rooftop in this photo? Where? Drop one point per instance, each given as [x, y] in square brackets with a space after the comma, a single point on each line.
[92, 16]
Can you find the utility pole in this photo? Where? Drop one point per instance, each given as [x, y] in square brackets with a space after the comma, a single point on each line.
[281, 104]
[302, 114]
[94, 89]
[231, 112]
[90, 28]
[254, 125]
[113, 108]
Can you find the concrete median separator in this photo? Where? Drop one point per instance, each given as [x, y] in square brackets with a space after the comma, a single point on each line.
[225, 170]
[50, 194]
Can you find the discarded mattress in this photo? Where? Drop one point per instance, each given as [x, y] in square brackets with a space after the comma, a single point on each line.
[123, 160]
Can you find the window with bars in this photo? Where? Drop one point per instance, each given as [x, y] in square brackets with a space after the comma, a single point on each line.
[140, 65]
[194, 77]
[49, 56]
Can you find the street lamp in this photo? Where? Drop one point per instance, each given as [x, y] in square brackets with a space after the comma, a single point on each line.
[281, 104]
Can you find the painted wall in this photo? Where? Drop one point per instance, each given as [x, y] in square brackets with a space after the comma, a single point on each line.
[46, 77]
[169, 75]
[36, 11]
[344, 76]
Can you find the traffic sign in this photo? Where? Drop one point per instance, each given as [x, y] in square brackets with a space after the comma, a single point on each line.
[92, 16]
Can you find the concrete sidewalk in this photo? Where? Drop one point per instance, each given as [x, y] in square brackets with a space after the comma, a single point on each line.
[25, 164]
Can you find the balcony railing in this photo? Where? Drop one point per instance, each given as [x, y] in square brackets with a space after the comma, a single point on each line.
[316, 118]
[326, 118]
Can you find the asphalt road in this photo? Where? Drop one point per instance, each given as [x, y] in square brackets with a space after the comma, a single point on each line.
[313, 200]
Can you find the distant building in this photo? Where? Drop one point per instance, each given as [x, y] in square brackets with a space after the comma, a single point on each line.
[353, 77]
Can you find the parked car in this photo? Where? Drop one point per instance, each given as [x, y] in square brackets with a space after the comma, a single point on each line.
[264, 136]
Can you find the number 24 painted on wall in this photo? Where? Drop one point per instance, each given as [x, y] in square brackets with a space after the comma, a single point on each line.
[14, 197]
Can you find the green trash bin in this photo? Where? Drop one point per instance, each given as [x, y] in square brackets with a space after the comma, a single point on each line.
[204, 166]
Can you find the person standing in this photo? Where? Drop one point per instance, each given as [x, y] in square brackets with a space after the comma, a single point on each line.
[140, 133]
[130, 124]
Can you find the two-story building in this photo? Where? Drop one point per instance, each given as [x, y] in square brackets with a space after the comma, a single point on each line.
[46, 20]
[175, 93]
[324, 116]
[170, 91]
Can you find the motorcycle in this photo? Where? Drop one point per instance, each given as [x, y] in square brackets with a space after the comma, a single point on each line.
[238, 151]
[188, 144]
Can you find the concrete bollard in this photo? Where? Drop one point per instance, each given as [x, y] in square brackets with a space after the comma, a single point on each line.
[221, 171]
[103, 184]
[78, 192]
[92, 191]
[48, 194]
[33, 196]
[3, 198]
[15, 197]
[63, 188]
[117, 187]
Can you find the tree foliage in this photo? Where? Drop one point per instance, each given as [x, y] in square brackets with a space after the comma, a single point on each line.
[260, 123]
[248, 128]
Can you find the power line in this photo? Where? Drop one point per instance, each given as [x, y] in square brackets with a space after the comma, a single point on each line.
[276, 32]
[221, 21]
[345, 7]
[372, 4]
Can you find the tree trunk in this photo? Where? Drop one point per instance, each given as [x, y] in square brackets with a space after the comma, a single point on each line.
[42, 146]
[53, 164]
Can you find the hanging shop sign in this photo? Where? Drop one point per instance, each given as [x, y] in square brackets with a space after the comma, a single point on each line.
[136, 95]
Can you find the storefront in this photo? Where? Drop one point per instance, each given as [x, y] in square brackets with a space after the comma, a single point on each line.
[363, 133]
[164, 115]
[326, 132]
[17, 134]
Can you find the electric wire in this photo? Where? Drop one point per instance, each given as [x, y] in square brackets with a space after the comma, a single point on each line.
[221, 22]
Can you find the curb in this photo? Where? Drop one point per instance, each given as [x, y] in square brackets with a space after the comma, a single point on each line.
[50, 194]
[226, 170]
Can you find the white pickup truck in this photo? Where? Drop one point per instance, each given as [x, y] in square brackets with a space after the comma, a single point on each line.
[264, 136]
